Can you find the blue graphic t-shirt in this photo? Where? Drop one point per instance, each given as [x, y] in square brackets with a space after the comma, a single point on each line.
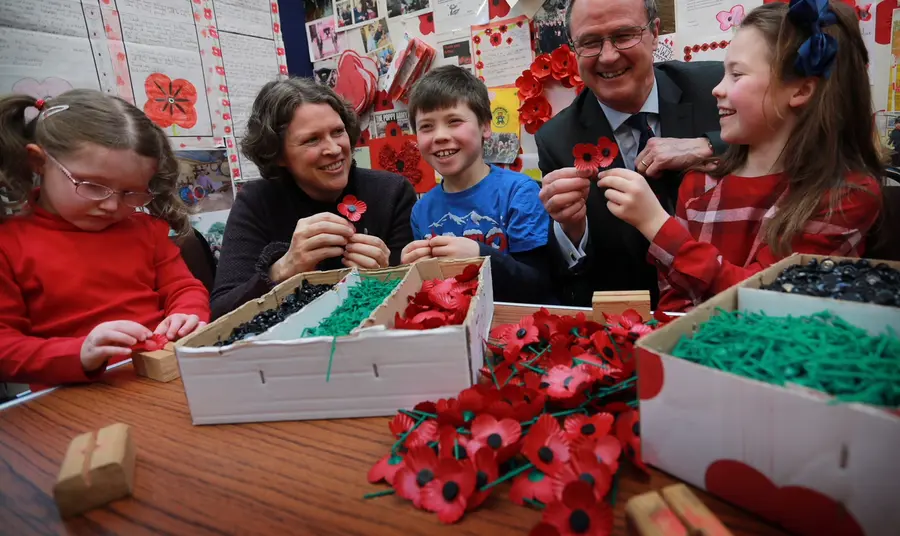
[502, 211]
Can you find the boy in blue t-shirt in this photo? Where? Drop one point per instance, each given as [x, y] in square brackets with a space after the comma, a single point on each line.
[478, 209]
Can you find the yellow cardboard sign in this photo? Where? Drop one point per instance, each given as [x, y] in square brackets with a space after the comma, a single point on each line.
[504, 110]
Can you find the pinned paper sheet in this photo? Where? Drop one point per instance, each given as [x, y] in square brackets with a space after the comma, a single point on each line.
[502, 51]
[711, 17]
[665, 49]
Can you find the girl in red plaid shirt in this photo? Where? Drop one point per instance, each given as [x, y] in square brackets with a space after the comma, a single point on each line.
[802, 173]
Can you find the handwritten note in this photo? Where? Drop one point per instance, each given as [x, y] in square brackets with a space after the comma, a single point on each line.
[249, 63]
[248, 17]
[161, 23]
[249, 171]
[38, 65]
[503, 54]
[706, 18]
[61, 17]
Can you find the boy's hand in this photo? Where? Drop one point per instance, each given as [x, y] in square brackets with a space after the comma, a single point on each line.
[454, 247]
[111, 339]
[631, 200]
[415, 251]
[178, 325]
[366, 251]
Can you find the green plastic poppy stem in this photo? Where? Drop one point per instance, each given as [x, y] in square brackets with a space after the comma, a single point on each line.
[331, 359]
[614, 491]
[507, 476]
[406, 434]
[493, 376]
[410, 412]
[375, 494]
[537, 504]
[535, 369]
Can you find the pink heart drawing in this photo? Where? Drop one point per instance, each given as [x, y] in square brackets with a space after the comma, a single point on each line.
[46, 89]
[730, 19]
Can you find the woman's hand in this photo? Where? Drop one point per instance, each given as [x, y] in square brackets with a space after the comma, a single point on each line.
[366, 251]
[630, 199]
[454, 247]
[316, 238]
[178, 325]
[416, 250]
[111, 339]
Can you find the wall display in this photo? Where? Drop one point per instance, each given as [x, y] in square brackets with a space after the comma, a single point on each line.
[354, 13]
[324, 40]
[502, 50]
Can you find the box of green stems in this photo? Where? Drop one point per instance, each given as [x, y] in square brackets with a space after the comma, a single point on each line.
[781, 403]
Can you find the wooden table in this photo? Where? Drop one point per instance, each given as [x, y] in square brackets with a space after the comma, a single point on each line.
[266, 478]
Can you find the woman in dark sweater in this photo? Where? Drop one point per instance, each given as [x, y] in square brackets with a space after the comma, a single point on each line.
[301, 136]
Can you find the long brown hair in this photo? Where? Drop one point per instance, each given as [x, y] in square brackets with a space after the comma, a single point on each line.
[835, 131]
[90, 117]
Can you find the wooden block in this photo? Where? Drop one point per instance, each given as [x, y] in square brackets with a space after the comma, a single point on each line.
[98, 468]
[616, 302]
[159, 365]
[692, 512]
[649, 515]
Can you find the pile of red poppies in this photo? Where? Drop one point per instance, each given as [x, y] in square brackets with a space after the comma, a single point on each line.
[440, 302]
[553, 415]
[560, 65]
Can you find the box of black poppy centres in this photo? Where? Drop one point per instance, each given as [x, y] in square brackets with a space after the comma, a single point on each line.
[781, 396]
[276, 358]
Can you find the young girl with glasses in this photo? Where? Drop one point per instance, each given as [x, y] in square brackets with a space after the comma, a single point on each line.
[803, 170]
[87, 268]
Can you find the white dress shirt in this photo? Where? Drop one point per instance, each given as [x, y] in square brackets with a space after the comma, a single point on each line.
[627, 138]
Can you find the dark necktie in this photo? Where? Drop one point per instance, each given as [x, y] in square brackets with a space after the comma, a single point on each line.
[639, 122]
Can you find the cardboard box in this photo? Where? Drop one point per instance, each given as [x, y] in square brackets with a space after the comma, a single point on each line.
[374, 371]
[786, 453]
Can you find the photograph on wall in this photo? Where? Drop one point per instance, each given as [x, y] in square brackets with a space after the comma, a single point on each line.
[380, 121]
[501, 148]
[375, 35]
[324, 40]
[383, 57]
[212, 226]
[204, 180]
[407, 7]
[317, 9]
[550, 26]
[325, 72]
[353, 13]
[460, 49]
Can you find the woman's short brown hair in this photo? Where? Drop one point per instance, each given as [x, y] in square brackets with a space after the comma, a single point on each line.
[273, 111]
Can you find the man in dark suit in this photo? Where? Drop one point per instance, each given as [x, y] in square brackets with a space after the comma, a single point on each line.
[663, 119]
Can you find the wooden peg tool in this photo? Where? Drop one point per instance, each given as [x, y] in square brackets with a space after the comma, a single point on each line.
[98, 468]
[692, 512]
[616, 302]
[649, 515]
[159, 365]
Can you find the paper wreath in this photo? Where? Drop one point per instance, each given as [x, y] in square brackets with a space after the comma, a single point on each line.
[560, 65]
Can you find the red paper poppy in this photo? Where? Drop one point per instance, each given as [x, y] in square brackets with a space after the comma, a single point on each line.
[386, 469]
[563, 383]
[418, 470]
[452, 444]
[516, 336]
[608, 151]
[528, 85]
[542, 66]
[392, 129]
[498, 9]
[476, 39]
[496, 39]
[533, 485]
[578, 512]
[383, 101]
[535, 109]
[628, 431]
[352, 208]
[578, 426]
[426, 24]
[405, 162]
[509, 40]
[426, 433]
[448, 493]
[400, 424]
[587, 157]
[584, 466]
[363, 138]
[561, 61]
[486, 471]
[606, 449]
[499, 436]
[170, 102]
[545, 445]
[157, 341]
[460, 411]
[543, 529]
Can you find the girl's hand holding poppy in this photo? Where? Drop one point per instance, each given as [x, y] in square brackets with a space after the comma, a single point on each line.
[630, 199]
[178, 325]
[416, 250]
[316, 238]
[109, 340]
[366, 251]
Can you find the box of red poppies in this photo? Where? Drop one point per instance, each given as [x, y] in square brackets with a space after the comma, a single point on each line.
[342, 344]
[754, 407]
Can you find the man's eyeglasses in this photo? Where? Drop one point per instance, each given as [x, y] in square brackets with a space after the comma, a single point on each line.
[623, 39]
[98, 192]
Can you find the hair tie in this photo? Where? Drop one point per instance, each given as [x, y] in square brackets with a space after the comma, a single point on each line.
[816, 55]
[39, 104]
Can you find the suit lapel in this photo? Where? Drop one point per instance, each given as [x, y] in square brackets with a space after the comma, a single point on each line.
[676, 119]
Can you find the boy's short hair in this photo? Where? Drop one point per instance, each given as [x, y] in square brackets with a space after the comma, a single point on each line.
[446, 86]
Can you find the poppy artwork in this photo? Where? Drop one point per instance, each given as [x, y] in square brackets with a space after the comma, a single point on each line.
[400, 154]
[170, 102]
[550, 423]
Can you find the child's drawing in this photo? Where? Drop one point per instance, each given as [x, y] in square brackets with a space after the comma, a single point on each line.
[204, 181]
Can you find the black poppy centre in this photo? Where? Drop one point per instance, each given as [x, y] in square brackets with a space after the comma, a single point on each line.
[481, 479]
[588, 429]
[605, 152]
[587, 157]
[400, 165]
[587, 477]
[495, 441]
[424, 477]
[579, 521]
[521, 333]
[450, 491]
[545, 454]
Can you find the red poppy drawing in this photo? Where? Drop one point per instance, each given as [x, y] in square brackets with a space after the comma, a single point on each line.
[448, 493]
[528, 85]
[509, 40]
[352, 208]
[542, 67]
[426, 23]
[864, 12]
[404, 162]
[476, 39]
[587, 157]
[578, 512]
[608, 152]
[503, 28]
[496, 39]
[498, 9]
[170, 102]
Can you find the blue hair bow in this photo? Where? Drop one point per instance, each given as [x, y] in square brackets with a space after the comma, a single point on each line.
[816, 55]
